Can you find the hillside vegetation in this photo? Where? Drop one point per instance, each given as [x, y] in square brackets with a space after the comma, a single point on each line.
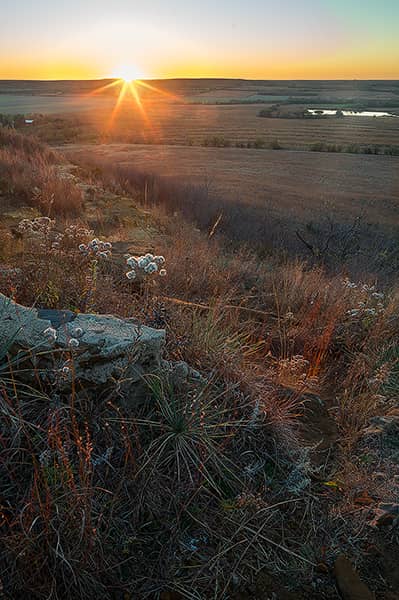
[249, 482]
[28, 176]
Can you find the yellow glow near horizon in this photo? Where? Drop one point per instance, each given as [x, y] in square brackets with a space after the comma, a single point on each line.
[128, 73]
[312, 39]
[364, 64]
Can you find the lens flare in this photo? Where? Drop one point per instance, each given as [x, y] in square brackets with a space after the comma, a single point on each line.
[129, 95]
[128, 73]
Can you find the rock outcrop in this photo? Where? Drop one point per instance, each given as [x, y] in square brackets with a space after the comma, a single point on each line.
[101, 349]
[349, 583]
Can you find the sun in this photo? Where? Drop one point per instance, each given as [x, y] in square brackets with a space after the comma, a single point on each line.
[127, 73]
[129, 86]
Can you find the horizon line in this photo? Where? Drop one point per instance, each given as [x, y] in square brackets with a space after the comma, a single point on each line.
[198, 78]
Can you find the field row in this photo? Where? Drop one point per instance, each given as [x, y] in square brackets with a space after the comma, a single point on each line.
[165, 122]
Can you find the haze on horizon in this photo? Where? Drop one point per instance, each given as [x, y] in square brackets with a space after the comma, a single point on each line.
[305, 39]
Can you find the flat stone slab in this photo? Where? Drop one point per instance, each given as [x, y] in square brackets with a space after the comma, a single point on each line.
[103, 348]
[56, 317]
[21, 327]
[110, 347]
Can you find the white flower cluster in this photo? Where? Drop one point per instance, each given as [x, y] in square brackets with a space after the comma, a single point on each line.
[76, 232]
[38, 226]
[42, 231]
[96, 248]
[51, 334]
[73, 342]
[370, 302]
[143, 266]
[296, 369]
[349, 284]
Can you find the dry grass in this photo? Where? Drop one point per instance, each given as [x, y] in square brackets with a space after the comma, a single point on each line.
[263, 205]
[289, 185]
[28, 176]
[201, 489]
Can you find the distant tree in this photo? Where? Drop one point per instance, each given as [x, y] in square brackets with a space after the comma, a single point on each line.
[275, 145]
[259, 143]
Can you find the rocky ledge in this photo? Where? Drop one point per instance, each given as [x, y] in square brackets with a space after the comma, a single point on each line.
[94, 350]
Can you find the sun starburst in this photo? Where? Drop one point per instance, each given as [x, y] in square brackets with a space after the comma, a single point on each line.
[128, 87]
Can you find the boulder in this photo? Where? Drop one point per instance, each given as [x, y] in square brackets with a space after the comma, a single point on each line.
[111, 348]
[349, 583]
[21, 328]
[101, 349]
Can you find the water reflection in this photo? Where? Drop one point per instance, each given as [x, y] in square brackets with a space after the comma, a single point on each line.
[349, 113]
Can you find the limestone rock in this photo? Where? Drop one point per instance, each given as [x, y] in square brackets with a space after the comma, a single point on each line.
[104, 349]
[180, 373]
[111, 348]
[20, 327]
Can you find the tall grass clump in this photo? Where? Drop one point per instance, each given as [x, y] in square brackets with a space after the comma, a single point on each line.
[29, 176]
[9, 138]
[102, 501]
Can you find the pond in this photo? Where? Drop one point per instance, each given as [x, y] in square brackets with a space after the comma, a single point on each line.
[350, 113]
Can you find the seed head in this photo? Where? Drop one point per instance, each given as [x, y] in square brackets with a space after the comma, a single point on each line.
[132, 261]
[51, 333]
[151, 268]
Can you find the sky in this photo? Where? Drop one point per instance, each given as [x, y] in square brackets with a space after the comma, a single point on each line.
[264, 39]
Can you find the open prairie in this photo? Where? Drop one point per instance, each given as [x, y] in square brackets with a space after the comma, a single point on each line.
[199, 300]
[200, 124]
[168, 123]
[301, 185]
[220, 427]
[207, 112]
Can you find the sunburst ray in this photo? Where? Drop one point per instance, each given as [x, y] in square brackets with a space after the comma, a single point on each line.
[105, 87]
[153, 88]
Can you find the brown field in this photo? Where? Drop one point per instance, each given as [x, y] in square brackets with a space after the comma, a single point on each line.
[303, 185]
[188, 112]
[168, 123]
[179, 124]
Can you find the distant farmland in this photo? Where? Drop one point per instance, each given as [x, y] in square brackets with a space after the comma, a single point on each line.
[187, 112]
[197, 124]
[301, 186]
[48, 104]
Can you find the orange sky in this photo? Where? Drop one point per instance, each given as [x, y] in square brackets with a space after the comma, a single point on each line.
[302, 39]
